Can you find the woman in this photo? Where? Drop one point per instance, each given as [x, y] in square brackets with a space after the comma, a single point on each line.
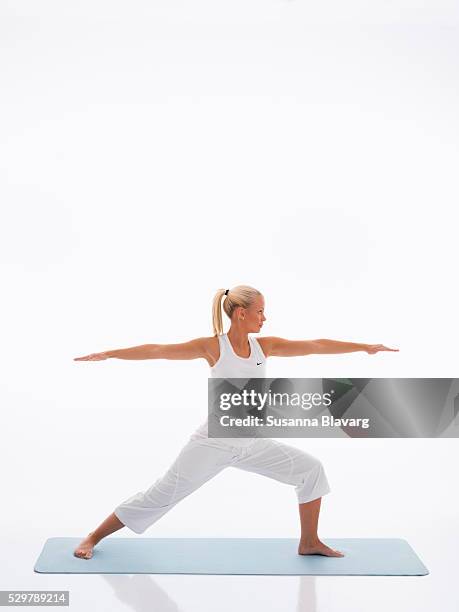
[231, 355]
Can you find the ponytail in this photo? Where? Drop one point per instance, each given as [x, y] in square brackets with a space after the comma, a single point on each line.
[241, 295]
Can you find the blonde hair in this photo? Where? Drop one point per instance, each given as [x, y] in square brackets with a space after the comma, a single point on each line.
[241, 295]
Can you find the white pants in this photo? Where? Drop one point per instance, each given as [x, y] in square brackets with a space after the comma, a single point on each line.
[203, 458]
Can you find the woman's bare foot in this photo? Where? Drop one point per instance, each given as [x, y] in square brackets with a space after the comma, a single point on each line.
[84, 548]
[318, 548]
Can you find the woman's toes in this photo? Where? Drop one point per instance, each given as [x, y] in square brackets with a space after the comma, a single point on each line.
[84, 551]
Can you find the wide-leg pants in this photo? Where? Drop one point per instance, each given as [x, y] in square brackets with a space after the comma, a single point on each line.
[203, 458]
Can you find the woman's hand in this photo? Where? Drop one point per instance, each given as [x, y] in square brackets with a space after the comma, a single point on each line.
[93, 357]
[371, 349]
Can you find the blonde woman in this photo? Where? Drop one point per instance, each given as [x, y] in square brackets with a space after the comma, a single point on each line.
[234, 354]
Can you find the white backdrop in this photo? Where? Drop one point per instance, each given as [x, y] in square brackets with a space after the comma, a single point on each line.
[152, 153]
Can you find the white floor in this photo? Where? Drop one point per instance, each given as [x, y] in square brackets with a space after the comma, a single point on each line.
[438, 591]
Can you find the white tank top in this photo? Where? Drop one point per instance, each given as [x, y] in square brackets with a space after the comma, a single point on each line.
[230, 365]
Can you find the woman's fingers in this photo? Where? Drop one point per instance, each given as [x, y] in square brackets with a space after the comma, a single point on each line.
[374, 348]
[92, 357]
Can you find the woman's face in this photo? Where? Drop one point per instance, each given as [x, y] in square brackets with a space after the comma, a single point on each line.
[254, 315]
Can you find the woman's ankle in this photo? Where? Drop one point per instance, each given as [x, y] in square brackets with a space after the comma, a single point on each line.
[93, 538]
[309, 540]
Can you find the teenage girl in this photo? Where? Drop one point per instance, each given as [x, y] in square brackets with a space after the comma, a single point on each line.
[231, 355]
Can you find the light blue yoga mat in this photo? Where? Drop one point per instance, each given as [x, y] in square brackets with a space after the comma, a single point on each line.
[262, 556]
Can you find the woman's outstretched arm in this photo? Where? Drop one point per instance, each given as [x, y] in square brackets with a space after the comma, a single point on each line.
[186, 350]
[280, 347]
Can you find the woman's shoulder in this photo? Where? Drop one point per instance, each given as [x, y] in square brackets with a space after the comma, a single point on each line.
[265, 343]
[211, 349]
